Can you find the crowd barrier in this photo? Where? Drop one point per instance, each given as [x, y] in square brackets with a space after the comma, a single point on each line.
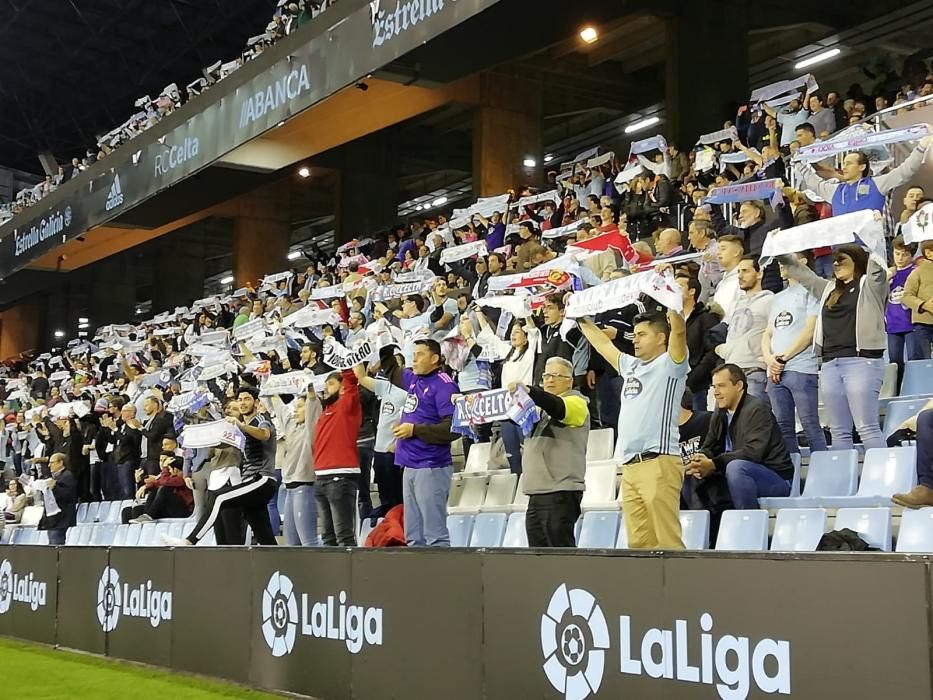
[362, 624]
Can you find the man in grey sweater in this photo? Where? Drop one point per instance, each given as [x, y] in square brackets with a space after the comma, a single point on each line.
[747, 325]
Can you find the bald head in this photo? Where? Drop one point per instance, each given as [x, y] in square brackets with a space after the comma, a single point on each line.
[668, 241]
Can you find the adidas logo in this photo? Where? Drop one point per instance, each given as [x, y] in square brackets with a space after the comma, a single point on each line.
[115, 196]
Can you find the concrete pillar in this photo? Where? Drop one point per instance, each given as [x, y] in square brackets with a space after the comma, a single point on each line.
[368, 188]
[707, 69]
[20, 328]
[506, 131]
[178, 270]
[261, 232]
[112, 291]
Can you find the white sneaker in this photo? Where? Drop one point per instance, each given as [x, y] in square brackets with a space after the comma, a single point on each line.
[141, 519]
[174, 541]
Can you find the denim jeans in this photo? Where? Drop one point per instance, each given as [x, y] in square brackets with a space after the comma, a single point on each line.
[388, 478]
[823, 266]
[275, 519]
[126, 479]
[799, 391]
[336, 506]
[925, 449]
[749, 481]
[512, 438]
[903, 347]
[300, 522]
[850, 388]
[923, 333]
[757, 379]
[426, 492]
[57, 536]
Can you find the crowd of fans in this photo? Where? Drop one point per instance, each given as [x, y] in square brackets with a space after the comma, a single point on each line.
[289, 15]
[636, 295]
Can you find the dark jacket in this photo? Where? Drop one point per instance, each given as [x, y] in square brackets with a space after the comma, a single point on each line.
[160, 427]
[66, 495]
[756, 437]
[127, 444]
[703, 356]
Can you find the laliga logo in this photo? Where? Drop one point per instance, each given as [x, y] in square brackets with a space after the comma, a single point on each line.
[20, 589]
[575, 637]
[142, 602]
[281, 623]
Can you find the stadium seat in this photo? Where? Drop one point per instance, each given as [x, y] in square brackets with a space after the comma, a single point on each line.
[795, 482]
[600, 445]
[365, 528]
[103, 535]
[472, 495]
[478, 461]
[599, 529]
[889, 385]
[885, 471]
[110, 511]
[918, 378]
[916, 533]
[694, 529]
[93, 508]
[119, 537]
[17, 535]
[872, 524]
[209, 540]
[515, 533]
[831, 473]
[622, 537]
[600, 486]
[460, 527]
[520, 500]
[71, 536]
[42, 537]
[500, 493]
[798, 529]
[177, 529]
[148, 536]
[133, 532]
[81, 513]
[899, 411]
[31, 516]
[488, 530]
[743, 531]
[83, 537]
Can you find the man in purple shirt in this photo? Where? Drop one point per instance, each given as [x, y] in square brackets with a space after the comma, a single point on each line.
[423, 446]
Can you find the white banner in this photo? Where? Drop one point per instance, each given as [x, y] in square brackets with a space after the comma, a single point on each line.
[484, 207]
[249, 329]
[60, 376]
[622, 292]
[600, 160]
[340, 357]
[860, 227]
[310, 316]
[552, 195]
[394, 291]
[221, 337]
[918, 228]
[560, 231]
[322, 293]
[822, 149]
[766, 92]
[219, 432]
[290, 383]
[730, 134]
[459, 252]
[518, 306]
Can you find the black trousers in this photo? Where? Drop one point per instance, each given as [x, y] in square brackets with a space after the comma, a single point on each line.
[162, 502]
[388, 479]
[251, 497]
[552, 517]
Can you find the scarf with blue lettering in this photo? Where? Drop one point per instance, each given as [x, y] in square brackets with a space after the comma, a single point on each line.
[488, 406]
[756, 189]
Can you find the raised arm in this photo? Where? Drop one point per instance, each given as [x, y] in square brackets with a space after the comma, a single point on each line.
[600, 342]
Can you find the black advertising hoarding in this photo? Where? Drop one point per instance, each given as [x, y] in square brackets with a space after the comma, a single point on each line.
[137, 591]
[704, 627]
[212, 612]
[305, 624]
[362, 43]
[82, 605]
[28, 592]
[432, 629]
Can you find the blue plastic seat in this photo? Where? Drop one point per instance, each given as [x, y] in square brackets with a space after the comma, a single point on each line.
[460, 527]
[110, 512]
[81, 513]
[83, 538]
[103, 534]
[886, 471]
[918, 378]
[694, 528]
[148, 535]
[119, 537]
[622, 537]
[488, 529]
[599, 529]
[133, 532]
[916, 533]
[365, 528]
[798, 529]
[515, 533]
[900, 410]
[93, 509]
[831, 473]
[872, 524]
[743, 531]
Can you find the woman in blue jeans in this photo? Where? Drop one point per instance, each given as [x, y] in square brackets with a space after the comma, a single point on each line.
[297, 421]
[850, 337]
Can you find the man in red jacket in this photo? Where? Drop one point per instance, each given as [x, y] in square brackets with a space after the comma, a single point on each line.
[167, 495]
[336, 459]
